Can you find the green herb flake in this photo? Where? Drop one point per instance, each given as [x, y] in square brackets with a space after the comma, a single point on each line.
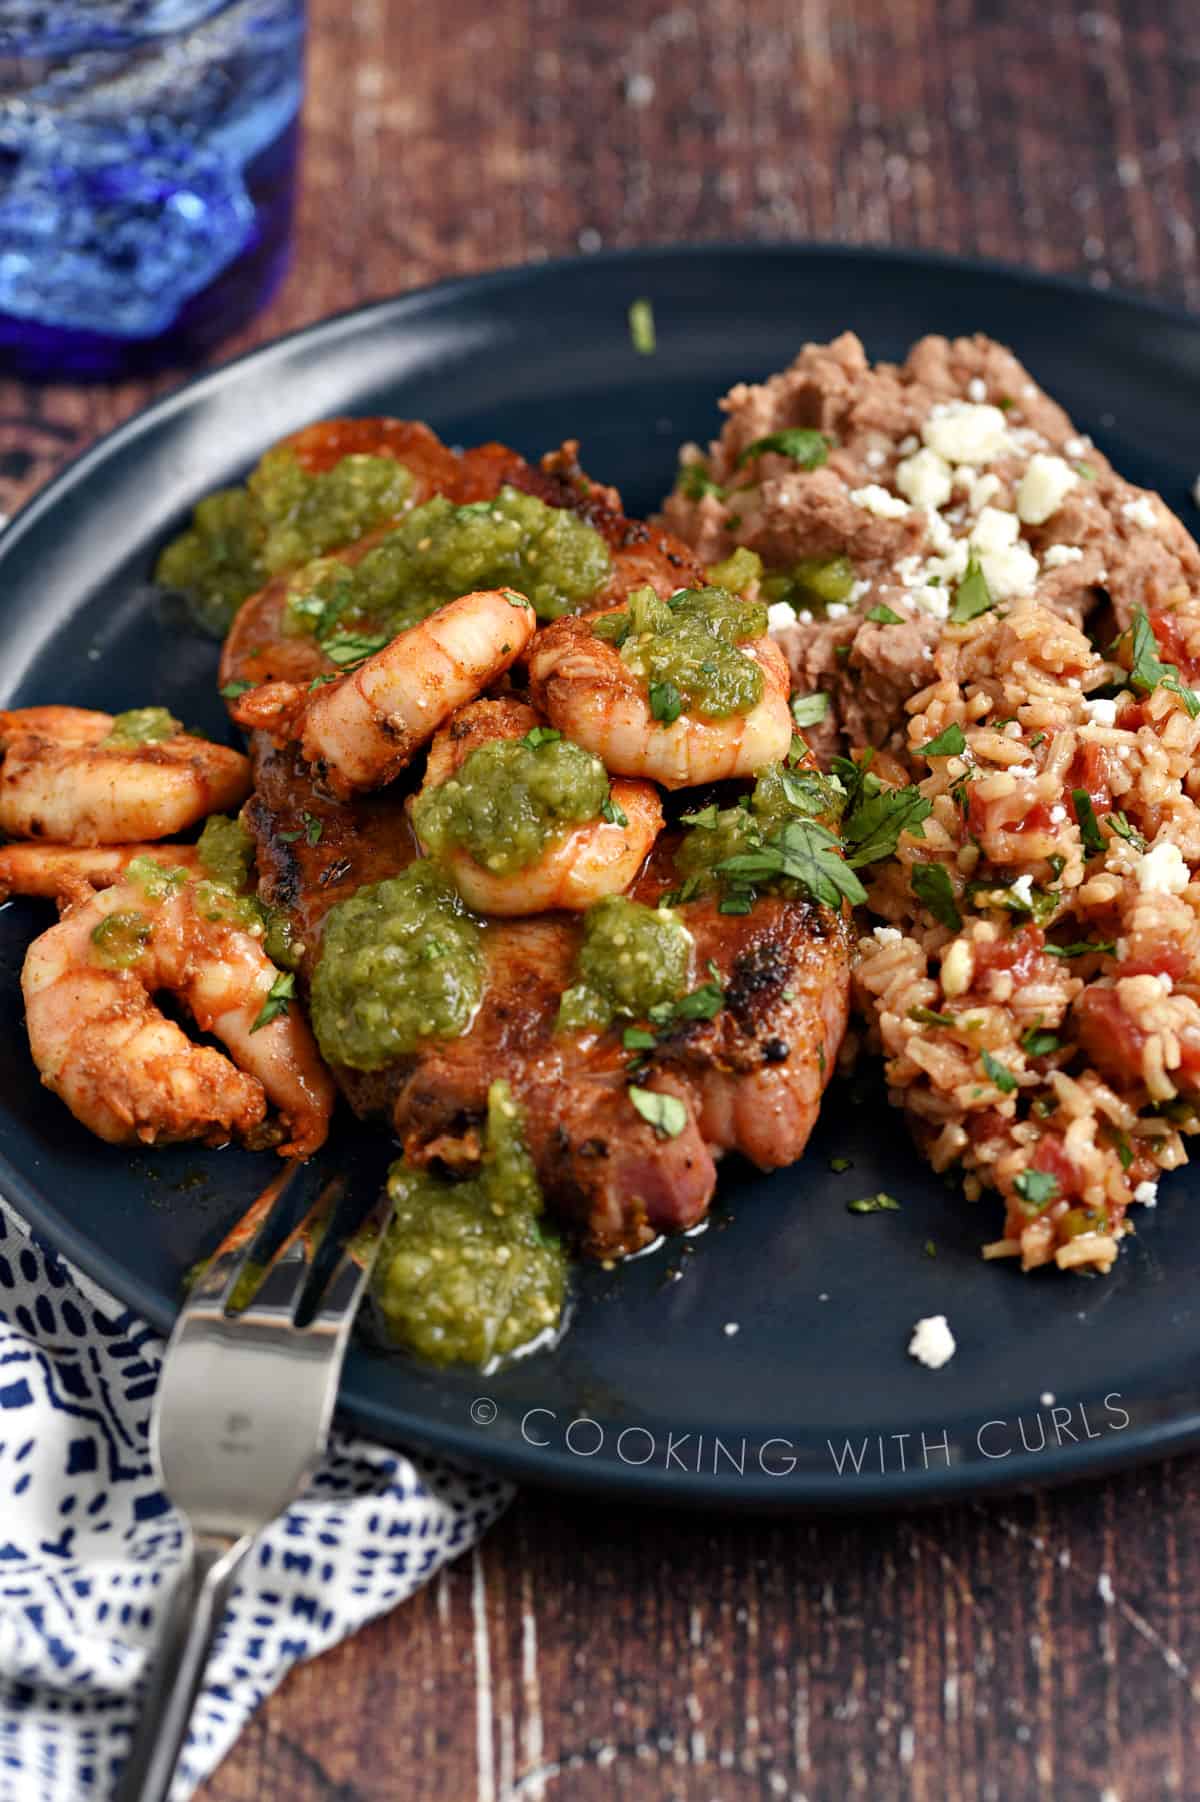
[279, 999]
[347, 648]
[611, 812]
[636, 1038]
[707, 818]
[1037, 1187]
[808, 709]
[874, 1204]
[931, 884]
[1086, 471]
[541, 735]
[840, 1165]
[312, 828]
[232, 690]
[808, 448]
[999, 1074]
[972, 595]
[1081, 948]
[666, 702]
[1040, 1042]
[877, 817]
[1147, 669]
[883, 616]
[1094, 841]
[925, 1016]
[642, 334]
[1124, 828]
[807, 852]
[930, 1249]
[665, 1113]
[950, 743]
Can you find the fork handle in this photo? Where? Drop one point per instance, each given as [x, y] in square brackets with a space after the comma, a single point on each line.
[197, 1606]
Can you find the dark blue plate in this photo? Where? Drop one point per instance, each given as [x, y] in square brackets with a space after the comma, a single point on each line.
[763, 1362]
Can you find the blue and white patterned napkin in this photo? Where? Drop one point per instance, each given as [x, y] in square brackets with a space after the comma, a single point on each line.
[89, 1545]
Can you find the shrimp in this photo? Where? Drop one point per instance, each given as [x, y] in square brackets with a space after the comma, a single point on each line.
[128, 1073]
[64, 777]
[362, 729]
[588, 691]
[52, 870]
[584, 862]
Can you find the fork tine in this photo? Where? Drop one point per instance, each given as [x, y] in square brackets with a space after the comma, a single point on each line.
[228, 1263]
[279, 1292]
[344, 1289]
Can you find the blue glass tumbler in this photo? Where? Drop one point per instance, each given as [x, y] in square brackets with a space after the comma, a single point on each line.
[147, 160]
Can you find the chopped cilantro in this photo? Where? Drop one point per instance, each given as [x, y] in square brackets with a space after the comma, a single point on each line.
[1094, 841]
[873, 825]
[808, 709]
[636, 1038]
[345, 648]
[1003, 1078]
[1037, 1187]
[694, 482]
[840, 1165]
[972, 596]
[231, 690]
[641, 327]
[925, 1016]
[807, 448]
[883, 616]
[1081, 948]
[666, 702]
[874, 1204]
[1148, 671]
[807, 852]
[614, 814]
[312, 828]
[279, 998]
[1124, 828]
[950, 743]
[1038, 1042]
[931, 884]
[541, 735]
[708, 817]
[665, 1113]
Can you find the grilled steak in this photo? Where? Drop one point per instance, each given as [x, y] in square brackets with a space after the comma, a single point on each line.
[750, 1078]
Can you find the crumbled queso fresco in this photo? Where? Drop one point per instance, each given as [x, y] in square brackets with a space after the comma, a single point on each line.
[932, 1342]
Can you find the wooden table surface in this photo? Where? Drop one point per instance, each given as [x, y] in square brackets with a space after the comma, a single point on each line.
[1042, 1647]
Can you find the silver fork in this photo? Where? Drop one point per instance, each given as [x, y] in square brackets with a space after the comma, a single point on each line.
[240, 1421]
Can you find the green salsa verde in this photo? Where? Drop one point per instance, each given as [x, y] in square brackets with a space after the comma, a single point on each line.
[141, 726]
[510, 798]
[688, 650]
[632, 958]
[466, 1273]
[441, 551]
[226, 852]
[285, 515]
[812, 582]
[401, 961]
[120, 938]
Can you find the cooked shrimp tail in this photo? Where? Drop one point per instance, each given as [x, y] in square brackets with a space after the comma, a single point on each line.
[77, 777]
[360, 730]
[128, 1073]
[49, 871]
[590, 693]
[581, 863]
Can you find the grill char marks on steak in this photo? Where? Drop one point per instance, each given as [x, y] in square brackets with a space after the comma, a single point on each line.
[257, 648]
